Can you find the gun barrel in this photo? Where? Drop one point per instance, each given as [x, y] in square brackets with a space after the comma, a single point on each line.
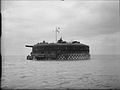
[28, 46]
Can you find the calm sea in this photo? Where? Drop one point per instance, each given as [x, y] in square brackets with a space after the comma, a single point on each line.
[100, 72]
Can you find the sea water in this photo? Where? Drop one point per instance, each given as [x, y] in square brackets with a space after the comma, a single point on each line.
[100, 72]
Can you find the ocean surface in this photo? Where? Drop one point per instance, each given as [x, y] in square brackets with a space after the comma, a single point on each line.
[100, 72]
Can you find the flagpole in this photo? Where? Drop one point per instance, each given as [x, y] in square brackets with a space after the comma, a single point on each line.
[56, 31]
[56, 34]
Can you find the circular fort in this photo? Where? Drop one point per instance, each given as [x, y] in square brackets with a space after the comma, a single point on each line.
[61, 50]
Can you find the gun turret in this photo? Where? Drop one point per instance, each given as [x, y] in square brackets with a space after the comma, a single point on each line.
[28, 46]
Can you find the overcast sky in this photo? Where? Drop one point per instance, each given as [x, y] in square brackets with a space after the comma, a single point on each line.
[95, 23]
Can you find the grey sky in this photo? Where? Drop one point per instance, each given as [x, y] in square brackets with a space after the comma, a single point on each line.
[95, 23]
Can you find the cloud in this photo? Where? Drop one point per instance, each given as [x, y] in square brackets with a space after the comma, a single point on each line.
[96, 18]
[33, 21]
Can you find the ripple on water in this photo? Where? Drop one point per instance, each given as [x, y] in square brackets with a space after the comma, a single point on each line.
[97, 73]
